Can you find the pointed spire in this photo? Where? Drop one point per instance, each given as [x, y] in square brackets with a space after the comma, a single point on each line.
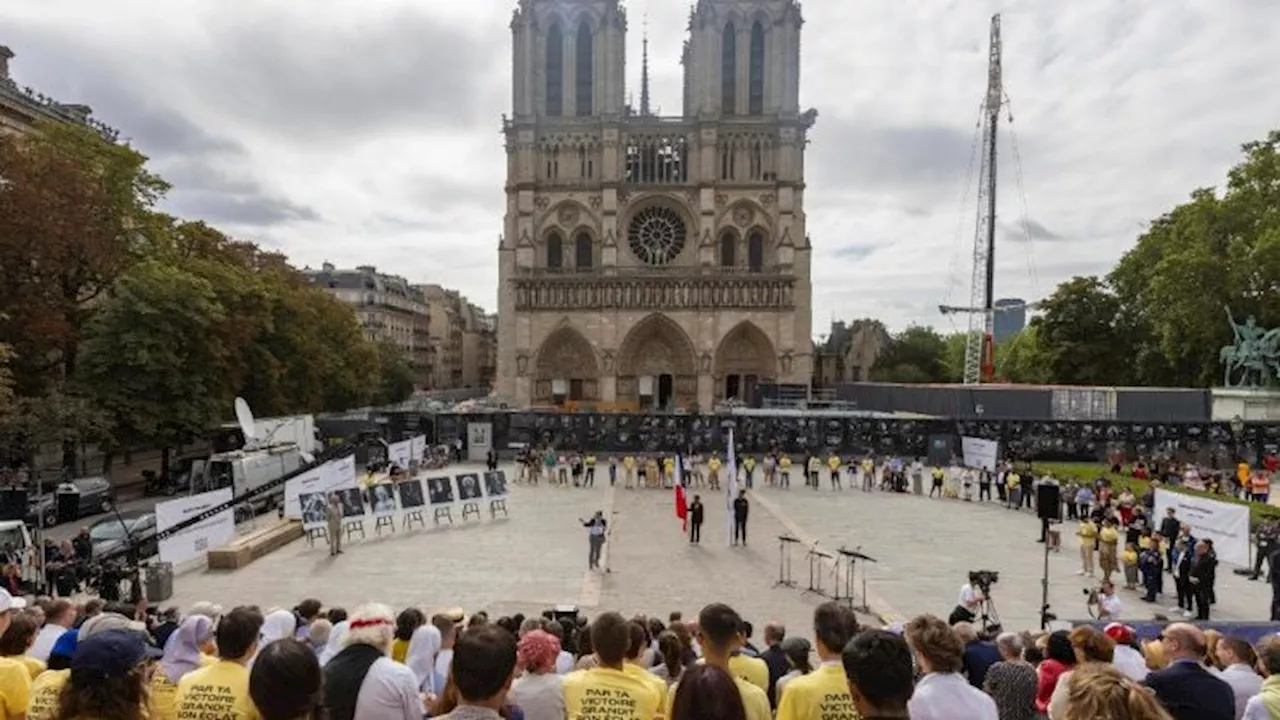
[644, 72]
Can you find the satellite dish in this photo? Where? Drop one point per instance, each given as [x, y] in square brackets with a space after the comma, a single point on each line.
[245, 417]
[307, 457]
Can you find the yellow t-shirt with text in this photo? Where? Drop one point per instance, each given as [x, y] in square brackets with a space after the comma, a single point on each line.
[754, 700]
[164, 693]
[821, 695]
[34, 666]
[44, 694]
[220, 690]
[659, 685]
[605, 692]
[15, 688]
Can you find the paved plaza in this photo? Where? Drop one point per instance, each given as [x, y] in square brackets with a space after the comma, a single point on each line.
[537, 558]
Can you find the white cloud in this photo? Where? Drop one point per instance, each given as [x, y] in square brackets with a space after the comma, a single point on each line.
[366, 131]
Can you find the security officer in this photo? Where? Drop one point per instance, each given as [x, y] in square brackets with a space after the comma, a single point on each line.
[1268, 535]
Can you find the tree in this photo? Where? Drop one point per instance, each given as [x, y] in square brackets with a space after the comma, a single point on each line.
[1019, 359]
[68, 203]
[916, 355]
[153, 359]
[395, 377]
[1076, 334]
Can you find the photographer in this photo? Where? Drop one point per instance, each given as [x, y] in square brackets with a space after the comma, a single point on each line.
[1104, 597]
[971, 597]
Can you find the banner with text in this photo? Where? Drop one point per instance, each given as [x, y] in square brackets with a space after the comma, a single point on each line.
[980, 453]
[400, 453]
[193, 542]
[418, 446]
[1226, 524]
[333, 475]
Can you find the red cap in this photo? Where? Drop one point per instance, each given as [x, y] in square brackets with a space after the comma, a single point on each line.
[1122, 634]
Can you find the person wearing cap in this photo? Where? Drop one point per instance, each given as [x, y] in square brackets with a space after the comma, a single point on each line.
[222, 689]
[1127, 658]
[15, 678]
[108, 677]
[47, 687]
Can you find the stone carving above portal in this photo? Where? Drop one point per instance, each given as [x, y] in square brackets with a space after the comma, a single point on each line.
[690, 293]
[721, 199]
[767, 199]
[743, 215]
[567, 214]
[596, 202]
[542, 202]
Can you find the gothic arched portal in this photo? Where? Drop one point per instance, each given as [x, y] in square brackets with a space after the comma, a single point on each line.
[566, 369]
[744, 359]
[657, 366]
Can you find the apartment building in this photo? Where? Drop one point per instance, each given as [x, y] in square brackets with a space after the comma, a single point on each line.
[22, 107]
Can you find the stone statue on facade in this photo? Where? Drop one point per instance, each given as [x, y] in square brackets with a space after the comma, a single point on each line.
[1254, 359]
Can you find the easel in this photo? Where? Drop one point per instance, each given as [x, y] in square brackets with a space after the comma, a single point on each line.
[815, 557]
[316, 532]
[784, 561]
[443, 511]
[497, 505]
[411, 516]
[383, 521]
[353, 526]
[469, 508]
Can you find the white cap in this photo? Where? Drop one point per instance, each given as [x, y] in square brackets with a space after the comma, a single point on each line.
[9, 602]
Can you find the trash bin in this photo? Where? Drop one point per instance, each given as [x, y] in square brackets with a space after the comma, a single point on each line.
[68, 506]
[159, 581]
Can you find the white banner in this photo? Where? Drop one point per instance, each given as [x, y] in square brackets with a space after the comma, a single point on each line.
[333, 475]
[479, 440]
[1226, 524]
[418, 447]
[400, 453]
[193, 542]
[980, 453]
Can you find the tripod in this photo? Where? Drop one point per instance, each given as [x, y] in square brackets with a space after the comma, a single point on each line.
[852, 557]
[815, 557]
[1046, 616]
[987, 613]
[784, 561]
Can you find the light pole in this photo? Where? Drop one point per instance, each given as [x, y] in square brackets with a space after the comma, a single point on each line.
[1237, 427]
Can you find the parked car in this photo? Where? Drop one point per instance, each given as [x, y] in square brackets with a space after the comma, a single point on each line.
[96, 496]
[112, 533]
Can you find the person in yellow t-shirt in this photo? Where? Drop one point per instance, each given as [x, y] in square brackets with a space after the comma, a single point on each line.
[222, 689]
[629, 472]
[589, 463]
[15, 678]
[1088, 534]
[713, 472]
[184, 652]
[879, 669]
[17, 640]
[608, 690]
[1131, 566]
[814, 468]
[1108, 539]
[749, 471]
[668, 472]
[825, 691]
[784, 471]
[833, 464]
[108, 677]
[631, 666]
[720, 635]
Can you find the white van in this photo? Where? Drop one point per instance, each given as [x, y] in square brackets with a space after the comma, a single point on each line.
[246, 470]
[14, 534]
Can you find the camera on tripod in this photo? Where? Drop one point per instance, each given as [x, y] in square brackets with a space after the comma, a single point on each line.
[984, 579]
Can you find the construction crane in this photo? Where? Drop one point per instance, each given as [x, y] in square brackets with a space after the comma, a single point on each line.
[979, 350]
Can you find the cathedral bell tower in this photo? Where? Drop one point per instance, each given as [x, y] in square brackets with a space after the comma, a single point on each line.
[568, 60]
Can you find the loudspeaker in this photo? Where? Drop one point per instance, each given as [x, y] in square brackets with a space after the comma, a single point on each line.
[13, 504]
[1049, 502]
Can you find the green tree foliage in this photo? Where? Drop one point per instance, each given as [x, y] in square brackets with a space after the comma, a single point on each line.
[1077, 336]
[916, 355]
[396, 381]
[1019, 360]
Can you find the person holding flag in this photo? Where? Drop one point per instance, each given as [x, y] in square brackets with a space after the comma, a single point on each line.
[690, 515]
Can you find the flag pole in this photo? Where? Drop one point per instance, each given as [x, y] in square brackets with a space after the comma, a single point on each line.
[731, 485]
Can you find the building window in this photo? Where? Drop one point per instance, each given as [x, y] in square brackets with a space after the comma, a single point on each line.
[555, 252]
[728, 250]
[585, 77]
[555, 71]
[755, 96]
[729, 70]
[726, 161]
[755, 251]
[757, 160]
[553, 162]
[582, 251]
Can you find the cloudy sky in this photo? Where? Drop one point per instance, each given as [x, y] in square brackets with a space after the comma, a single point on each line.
[366, 131]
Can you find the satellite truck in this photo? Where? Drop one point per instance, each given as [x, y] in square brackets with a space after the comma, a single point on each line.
[273, 448]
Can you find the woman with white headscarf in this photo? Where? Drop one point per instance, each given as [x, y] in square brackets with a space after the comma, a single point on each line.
[185, 650]
[421, 658]
[337, 638]
[278, 625]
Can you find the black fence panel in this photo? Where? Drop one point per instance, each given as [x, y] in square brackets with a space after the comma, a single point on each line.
[1163, 405]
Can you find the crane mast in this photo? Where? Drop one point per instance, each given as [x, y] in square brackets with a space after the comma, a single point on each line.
[979, 354]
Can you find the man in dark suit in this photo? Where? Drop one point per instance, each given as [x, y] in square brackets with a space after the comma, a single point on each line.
[774, 657]
[695, 520]
[1203, 573]
[1185, 688]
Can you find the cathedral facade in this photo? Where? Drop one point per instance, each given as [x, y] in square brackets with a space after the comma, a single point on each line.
[654, 261]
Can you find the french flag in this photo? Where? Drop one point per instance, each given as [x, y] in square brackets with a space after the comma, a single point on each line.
[682, 508]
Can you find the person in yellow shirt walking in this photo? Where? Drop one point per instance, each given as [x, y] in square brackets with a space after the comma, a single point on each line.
[222, 689]
[825, 691]
[590, 463]
[720, 635]
[833, 465]
[784, 471]
[1088, 534]
[608, 690]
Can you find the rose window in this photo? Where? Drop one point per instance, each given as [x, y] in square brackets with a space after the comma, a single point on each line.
[656, 235]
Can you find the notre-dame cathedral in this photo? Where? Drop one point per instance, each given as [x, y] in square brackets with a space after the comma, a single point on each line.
[654, 261]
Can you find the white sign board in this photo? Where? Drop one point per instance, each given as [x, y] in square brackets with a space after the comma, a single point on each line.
[980, 453]
[479, 440]
[418, 447]
[1226, 524]
[400, 453]
[333, 475]
[193, 542]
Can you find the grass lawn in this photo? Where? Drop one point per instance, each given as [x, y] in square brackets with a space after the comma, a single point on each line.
[1088, 472]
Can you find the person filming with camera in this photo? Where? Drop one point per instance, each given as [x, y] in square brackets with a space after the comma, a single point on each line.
[971, 599]
[1104, 598]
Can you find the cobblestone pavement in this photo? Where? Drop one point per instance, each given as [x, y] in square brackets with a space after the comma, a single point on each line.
[534, 560]
[925, 547]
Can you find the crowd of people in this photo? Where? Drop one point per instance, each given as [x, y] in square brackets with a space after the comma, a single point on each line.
[61, 661]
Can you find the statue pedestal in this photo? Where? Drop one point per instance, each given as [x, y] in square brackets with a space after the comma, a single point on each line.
[1249, 404]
